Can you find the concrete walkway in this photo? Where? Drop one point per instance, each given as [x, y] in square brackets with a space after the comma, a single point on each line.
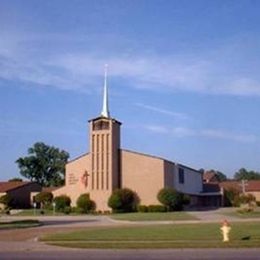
[218, 215]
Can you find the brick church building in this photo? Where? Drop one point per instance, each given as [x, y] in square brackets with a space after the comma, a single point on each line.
[107, 167]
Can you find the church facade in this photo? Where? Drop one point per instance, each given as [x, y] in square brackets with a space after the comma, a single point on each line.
[107, 167]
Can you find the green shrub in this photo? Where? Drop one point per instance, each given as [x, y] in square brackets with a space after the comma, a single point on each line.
[231, 197]
[246, 198]
[171, 199]
[61, 202]
[85, 204]
[156, 208]
[6, 200]
[142, 208]
[123, 200]
[67, 210]
[44, 198]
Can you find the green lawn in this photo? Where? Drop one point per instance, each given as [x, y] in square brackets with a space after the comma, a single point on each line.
[236, 213]
[19, 224]
[153, 216]
[37, 212]
[159, 236]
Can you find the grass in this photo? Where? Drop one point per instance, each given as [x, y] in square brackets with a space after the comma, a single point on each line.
[27, 223]
[159, 236]
[166, 216]
[37, 212]
[236, 213]
[137, 216]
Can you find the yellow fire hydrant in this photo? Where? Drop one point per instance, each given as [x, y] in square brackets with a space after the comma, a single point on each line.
[225, 229]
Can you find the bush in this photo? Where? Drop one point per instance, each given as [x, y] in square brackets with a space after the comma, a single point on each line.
[77, 210]
[123, 200]
[258, 203]
[142, 208]
[157, 208]
[44, 198]
[85, 204]
[171, 199]
[61, 202]
[247, 198]
[247, 202]
[6, 200]
[67, 210]
[231, 197]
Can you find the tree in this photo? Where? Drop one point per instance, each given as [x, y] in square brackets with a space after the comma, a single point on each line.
[243, 174]
[44, 165]
[219, 175]
[44, 198]
[85, 204]
[123, 200]
[172, 199]
[15, 180]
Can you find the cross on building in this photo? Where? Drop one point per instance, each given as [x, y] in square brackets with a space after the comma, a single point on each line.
[243, 185]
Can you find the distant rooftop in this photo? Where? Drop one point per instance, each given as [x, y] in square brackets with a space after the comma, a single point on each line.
[11, 185]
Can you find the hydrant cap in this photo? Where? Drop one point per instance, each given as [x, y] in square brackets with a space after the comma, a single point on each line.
[225, 223]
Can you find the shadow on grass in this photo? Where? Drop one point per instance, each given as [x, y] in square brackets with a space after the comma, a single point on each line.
[246, 238]
[67, 222]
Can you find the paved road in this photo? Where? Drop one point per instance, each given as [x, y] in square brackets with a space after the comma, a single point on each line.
[166, 254]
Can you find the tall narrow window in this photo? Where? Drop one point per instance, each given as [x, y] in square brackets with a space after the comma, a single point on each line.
[93, 162]
[107, 160]
[102, 161]
[181, 176]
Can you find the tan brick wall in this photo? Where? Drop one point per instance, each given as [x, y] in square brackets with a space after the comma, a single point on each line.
[74, 186]
[142, 174]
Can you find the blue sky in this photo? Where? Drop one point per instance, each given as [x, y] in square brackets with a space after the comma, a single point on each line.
[183, 78]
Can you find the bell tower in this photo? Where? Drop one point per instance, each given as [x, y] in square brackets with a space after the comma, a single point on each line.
[104, 151]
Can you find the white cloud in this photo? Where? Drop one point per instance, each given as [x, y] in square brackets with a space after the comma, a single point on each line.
[157, 129]
[22, 59]
[220, 134]
[182, 132]
[162, 111]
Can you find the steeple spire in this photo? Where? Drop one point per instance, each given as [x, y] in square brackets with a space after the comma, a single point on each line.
[105, 109]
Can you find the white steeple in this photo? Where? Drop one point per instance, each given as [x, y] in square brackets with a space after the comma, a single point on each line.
[105, 109]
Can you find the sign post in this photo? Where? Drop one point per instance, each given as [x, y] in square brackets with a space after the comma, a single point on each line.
[34, 208]
[54, 207]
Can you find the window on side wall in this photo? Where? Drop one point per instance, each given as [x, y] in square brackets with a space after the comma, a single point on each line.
[181, 175]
